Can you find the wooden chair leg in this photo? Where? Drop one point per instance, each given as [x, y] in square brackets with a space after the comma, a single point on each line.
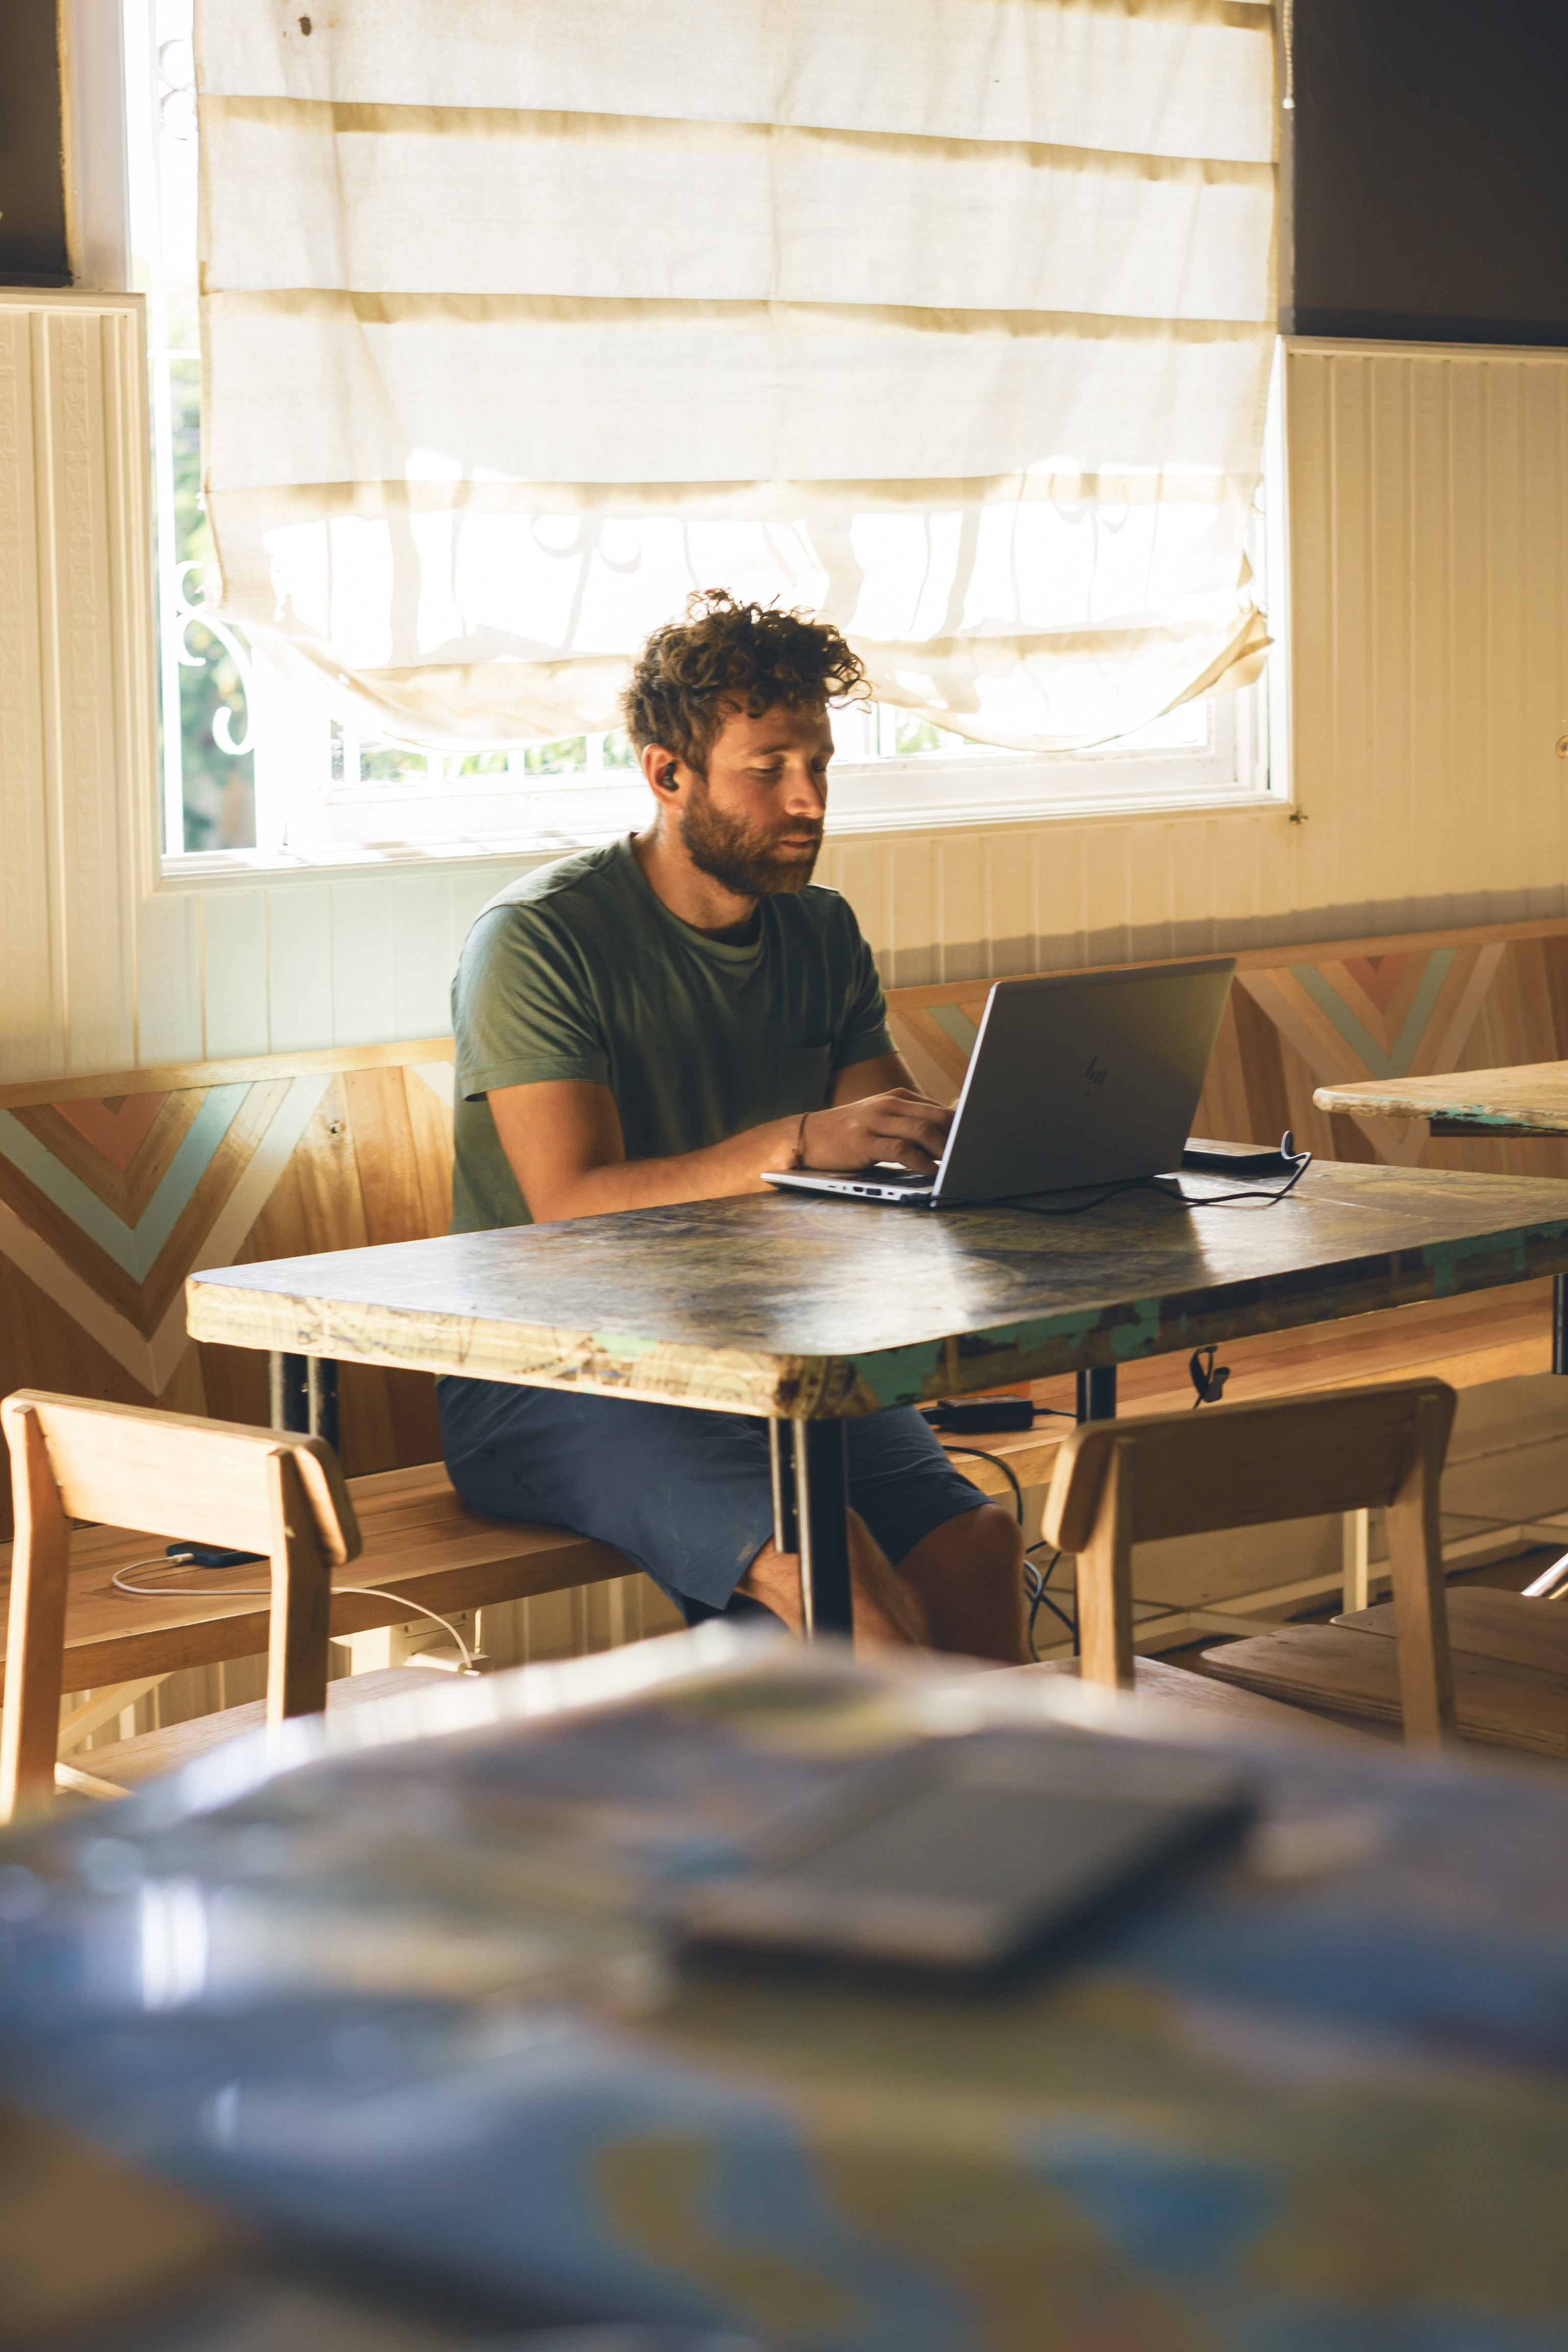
[36, 1633]
[301, 1599]
[1105, 1577]
[1355, 1553]
[1420, 1606]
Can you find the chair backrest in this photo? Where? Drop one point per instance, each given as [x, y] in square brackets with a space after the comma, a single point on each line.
[1118, 1483]
[262, 1490]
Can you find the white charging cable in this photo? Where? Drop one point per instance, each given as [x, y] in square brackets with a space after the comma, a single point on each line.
[264, 1592]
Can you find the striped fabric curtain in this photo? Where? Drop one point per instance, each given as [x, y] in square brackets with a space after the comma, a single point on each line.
[949, 321]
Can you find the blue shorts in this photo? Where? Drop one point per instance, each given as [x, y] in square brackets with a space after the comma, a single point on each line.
[683, 1493]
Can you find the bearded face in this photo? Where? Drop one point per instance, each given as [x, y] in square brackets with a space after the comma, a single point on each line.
[760, 859]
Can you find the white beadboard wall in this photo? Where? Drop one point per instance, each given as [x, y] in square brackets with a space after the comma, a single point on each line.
[1429, 516]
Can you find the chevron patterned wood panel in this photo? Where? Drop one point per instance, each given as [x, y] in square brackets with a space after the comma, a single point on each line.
[1304, 1017]
[114, 1190]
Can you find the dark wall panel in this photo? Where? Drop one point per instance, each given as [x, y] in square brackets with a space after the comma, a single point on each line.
[1431, 170]
[32, 185]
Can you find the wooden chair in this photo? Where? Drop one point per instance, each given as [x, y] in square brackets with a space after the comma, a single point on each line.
[1121, 1483]
[1511, 1664]
[248, 1489]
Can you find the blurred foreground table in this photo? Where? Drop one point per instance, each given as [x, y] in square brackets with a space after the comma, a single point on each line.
[394, 1993]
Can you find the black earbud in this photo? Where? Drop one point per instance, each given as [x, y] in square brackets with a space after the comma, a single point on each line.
[1207, 1377]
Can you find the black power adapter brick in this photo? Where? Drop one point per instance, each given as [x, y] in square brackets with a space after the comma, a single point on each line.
[980, 1416]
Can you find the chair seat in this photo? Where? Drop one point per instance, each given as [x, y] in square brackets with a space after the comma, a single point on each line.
[1507, 1626]
[1496, 1701]
[128, 1762]
[1217, 1706]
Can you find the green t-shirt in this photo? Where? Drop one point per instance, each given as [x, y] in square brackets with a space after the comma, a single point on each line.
[580, 970]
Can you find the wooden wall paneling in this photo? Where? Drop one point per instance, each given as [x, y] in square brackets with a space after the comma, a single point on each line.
[353, 1180]
[234, 1384]
[425, 953]
[364, 962]
[1011, 937]
[1393, 610]
[42, 1347]
[855, 867]
[300, 968]
[1313, 844]
[1545, 532]
[430, 1119]
[84, 757]
[1061, 888]
[1110, 937]
[319, 1204]
[323, 1207]
[151, 1128]
[134, 781]
[1432, 648]
[236, 1070]
[964, 900]
[472, 887]
[169, 978]
[1225, 1111]
[1510, 592]
[234, 973]
[386, 1151]
[32, 1012]
[911, 944]
[1223, 856]
[1349, 622]
[386, 1155]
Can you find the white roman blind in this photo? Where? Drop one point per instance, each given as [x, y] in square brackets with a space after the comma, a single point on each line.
[949, 321]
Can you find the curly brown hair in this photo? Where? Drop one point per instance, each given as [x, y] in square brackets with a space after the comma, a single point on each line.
[727, 658]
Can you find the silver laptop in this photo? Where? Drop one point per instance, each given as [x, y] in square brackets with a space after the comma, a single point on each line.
[1076, 1079]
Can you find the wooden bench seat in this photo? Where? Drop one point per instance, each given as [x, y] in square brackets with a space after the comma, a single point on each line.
[1209, 1706]
[126, 1763]
[1492, 1335]
[420, 1541]
[1497, 1702]
[1512, 1628]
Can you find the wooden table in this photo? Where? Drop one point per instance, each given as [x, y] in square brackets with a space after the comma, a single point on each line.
[1530, 1099]
[408, 2007]
[808, 1313]
[1494, 1106]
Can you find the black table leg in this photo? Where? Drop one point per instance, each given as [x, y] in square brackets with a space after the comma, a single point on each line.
[809, 1462]
[1096, 1393]
[1559, 1322]
[302, 1395]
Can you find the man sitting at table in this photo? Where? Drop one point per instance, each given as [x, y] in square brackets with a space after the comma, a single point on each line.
[660, 1021]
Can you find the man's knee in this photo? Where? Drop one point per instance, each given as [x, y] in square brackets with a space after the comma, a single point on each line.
[987, 1541]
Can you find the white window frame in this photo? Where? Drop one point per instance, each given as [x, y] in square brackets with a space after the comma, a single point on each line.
[312, 821]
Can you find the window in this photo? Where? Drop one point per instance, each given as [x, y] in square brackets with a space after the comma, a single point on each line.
[259, 770]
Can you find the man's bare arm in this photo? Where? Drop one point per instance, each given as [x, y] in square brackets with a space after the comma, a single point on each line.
[563, 1140]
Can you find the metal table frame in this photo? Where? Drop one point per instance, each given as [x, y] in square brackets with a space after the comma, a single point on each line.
[808, 1461]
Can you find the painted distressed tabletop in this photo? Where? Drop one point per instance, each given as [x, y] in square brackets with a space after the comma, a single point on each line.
[1531, 1099]
[821, 1309]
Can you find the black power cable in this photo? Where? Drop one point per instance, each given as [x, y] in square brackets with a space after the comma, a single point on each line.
[996, 1462]
[1034, 1582]
[1040, 1598]
[1300, 1162]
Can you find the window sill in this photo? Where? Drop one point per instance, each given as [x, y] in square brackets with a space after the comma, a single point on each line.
[341, 861]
